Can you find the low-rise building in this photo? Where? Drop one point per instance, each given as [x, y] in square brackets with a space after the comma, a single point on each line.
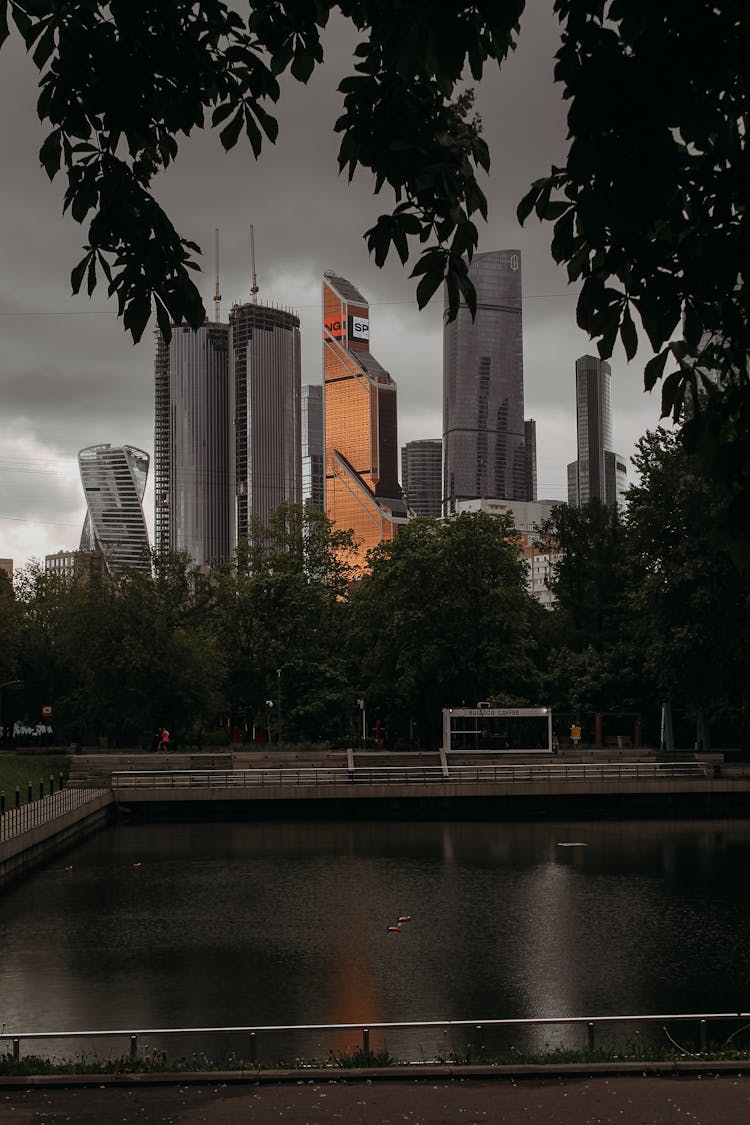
[528, 516]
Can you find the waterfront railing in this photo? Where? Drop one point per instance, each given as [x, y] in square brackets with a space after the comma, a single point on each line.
[16, 821]
[406, 775]
[457, 1040]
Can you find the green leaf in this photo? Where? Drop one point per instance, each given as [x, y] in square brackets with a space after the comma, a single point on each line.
[136, 315]
[76, 277]
[229, 135]
[673, 394]
[628, 334]
[268, 123]
[428, 286]
[163, 319]
[44, 47]
[253, 133]
[222, 112]
[50, 152]
[91, 279]
[654, 369]
[526, 206]
[303, 65]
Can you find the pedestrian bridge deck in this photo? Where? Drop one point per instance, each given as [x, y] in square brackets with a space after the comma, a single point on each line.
[448, 781]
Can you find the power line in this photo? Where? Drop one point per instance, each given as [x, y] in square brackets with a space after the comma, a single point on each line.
[43, 523]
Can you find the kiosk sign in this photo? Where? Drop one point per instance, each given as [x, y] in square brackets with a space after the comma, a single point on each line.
[497, 730]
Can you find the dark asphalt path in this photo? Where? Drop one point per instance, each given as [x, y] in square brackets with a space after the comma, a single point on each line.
[632, 1100]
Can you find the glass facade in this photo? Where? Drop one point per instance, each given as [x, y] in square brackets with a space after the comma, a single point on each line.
[192, 451]
[266, 391]
[114, 481]
[313, 448]
[422, 476]
[489, 449]
[598, 473]
[361, 435]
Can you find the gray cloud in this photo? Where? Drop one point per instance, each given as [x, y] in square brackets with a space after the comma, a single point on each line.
[69, 376]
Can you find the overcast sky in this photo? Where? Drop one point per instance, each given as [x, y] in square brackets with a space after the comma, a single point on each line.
[70, 377]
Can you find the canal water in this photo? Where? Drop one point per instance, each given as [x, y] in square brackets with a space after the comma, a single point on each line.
[236, 924]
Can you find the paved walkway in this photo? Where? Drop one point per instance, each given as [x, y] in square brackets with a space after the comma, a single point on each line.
[631, 1100]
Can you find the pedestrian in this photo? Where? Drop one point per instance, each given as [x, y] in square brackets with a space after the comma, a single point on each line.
[164, 740]
[155, 740]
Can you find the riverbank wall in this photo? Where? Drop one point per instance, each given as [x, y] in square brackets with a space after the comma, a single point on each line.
[539, 800]
[52, 833]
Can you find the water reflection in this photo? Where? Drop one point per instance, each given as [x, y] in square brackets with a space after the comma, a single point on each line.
[268, 923]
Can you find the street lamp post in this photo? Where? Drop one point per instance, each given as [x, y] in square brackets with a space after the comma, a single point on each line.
[8, 683]
[363, 736]
[278, 674]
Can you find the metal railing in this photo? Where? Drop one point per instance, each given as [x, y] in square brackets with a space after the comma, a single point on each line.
[477, 1030]
[14, 822]
[406, 775]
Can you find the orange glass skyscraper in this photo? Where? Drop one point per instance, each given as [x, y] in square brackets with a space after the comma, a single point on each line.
[362, 489]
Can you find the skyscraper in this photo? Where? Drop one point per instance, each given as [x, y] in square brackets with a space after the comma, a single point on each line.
[489, 451]
[313, 448]
[422, 476]
[192, 446]
[361, 436]
[114, 480]
[599, 473]
[265, 405]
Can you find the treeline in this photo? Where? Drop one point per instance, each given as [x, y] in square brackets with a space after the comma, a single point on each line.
[283, 643]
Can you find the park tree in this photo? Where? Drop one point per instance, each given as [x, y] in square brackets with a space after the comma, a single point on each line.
[592, 663]
[115, 655]
[10, 633]
[43, 662]
[280, 612]
[442, 619]
[691, 605]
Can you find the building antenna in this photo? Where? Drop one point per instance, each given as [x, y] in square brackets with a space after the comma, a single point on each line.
[254, 286]
[217, 294]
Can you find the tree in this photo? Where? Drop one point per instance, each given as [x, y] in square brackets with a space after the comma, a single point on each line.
[280, 612]
[650, 210]
[593, 663]
[442, 619]
[117, 655]
[692, 605]
[10, 629]
[120, 83]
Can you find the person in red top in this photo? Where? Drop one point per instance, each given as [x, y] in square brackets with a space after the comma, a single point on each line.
[164, 741]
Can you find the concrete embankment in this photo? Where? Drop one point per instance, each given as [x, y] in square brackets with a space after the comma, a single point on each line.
[439, 789]
[437, 803]
[56, 827]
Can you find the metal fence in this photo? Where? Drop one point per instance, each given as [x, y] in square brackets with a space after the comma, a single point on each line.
[446, 1041]
[16, 821]
[406, 775]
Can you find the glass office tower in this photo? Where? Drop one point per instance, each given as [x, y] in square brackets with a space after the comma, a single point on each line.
[313, 448]
[266, 388]
[361, 437]
[422, 476]
[192, 446]
[489, 450]
[598, 473]
[114, 481]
